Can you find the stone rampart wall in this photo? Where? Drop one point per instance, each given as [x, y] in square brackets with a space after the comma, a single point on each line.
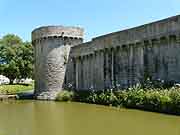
[126, 58]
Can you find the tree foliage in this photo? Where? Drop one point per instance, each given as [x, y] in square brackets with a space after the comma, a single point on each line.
[16, 58]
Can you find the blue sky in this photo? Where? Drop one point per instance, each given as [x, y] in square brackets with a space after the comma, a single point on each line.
[97, 17]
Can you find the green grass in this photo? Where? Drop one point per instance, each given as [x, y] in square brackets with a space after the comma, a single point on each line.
[15, 88]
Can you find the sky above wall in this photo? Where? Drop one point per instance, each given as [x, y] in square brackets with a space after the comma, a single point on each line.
[97, 17]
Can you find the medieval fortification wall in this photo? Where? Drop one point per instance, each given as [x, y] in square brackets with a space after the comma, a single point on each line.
[52, 46]
[117, 60]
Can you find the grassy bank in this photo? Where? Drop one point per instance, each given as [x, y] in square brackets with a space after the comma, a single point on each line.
[153, 99]
[15, 88]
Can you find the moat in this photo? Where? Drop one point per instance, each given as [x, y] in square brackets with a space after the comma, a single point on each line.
[56, 118]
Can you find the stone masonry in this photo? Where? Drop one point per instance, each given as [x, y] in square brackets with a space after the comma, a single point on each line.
[52, 46]
[117, 60]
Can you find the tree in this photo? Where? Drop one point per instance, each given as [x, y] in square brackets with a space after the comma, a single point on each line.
[25, 60]
[11, 39]
[16, 58]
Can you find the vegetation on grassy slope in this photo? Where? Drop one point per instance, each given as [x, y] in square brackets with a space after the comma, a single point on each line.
[15, 88]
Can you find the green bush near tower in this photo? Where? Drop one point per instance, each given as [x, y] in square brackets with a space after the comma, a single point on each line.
[154, 99]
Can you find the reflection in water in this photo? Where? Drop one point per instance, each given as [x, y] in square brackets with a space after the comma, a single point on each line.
[55, 118]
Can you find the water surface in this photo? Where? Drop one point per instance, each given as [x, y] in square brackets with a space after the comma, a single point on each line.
[55, 118]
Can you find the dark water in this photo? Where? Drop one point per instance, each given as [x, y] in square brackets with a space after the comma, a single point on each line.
[55, 118]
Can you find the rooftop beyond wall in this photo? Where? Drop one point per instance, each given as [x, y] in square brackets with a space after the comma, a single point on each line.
[165, 27]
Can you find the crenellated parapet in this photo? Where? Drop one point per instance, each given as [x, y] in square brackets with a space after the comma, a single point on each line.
[67, 34]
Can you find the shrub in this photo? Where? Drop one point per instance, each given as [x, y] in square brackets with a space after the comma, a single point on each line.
[107, 98]
[153, 99]
[65, 96]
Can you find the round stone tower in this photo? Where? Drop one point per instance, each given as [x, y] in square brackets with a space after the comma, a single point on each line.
[52, 46]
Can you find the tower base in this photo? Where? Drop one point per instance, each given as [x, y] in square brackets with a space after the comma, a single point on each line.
[46, 95]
